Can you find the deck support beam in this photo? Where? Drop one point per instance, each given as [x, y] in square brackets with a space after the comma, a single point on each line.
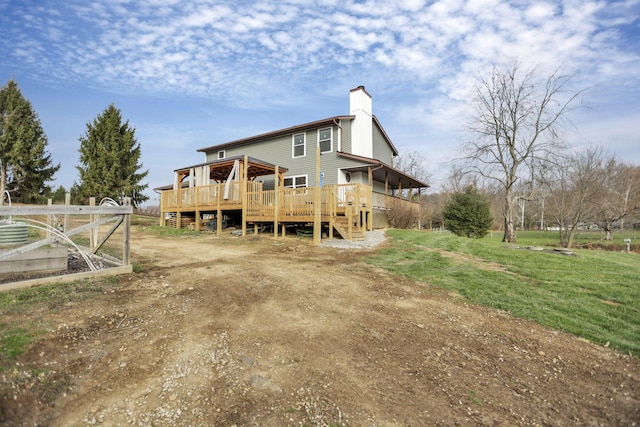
[243, 193]
[276, 201]
[317, 203]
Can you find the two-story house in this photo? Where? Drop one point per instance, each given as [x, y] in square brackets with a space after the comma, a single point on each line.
[336, 172]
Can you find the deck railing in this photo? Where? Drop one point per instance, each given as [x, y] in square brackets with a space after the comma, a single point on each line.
[206, 195]
[292, 201]
[387, 201]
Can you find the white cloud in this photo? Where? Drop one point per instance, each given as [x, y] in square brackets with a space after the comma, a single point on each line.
[266, 54]
[152, 41]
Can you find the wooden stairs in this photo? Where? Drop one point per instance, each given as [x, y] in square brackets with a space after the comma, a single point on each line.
[341, 225]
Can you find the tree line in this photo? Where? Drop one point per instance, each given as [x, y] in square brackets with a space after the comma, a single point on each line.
[516, 171]
[589, 189]
[108, 165]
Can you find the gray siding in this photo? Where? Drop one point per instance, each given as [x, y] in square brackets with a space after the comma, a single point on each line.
[346, 136]
[278, 151]
[381, 150]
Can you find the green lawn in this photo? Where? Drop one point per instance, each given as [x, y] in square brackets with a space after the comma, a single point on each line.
[595, 294]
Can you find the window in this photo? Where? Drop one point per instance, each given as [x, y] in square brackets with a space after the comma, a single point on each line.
[299, 146]
[295, 181]
[325, 140]
[221, 154]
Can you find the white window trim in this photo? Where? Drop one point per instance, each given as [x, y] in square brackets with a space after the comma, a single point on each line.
[330, 139]
[304, 145]
[222, 154]
[294, 179]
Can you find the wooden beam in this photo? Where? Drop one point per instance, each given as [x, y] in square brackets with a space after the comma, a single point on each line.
[107, 272]
[317, 203]
[49, 217]
[67, 202]
[243, 193]
[276, 201]
[96, 247]
[64, 210]
[219, 189]
[386, 190]
[419, 208]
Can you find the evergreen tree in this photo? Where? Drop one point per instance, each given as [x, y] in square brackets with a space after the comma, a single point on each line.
[59, 195]
[25, 165]
[468, 214]
[110, 160]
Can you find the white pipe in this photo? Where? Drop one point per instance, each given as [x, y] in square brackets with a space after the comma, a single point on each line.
[58, 233]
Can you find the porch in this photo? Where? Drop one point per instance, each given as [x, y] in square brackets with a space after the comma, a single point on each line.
[212, 194]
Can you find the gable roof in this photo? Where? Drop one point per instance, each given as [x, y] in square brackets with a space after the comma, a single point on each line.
[298, 128]
[274, 134]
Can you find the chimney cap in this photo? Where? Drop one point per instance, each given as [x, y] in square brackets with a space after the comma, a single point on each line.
[361, 87]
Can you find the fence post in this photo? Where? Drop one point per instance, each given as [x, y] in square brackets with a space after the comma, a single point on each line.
[93, 232]
[49, 218]
[67, 202]
[126, 235]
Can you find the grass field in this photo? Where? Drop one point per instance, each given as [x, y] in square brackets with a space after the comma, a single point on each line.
[582, 238]
[594, 294]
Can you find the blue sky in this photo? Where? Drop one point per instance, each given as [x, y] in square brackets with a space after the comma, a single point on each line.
[190, 74]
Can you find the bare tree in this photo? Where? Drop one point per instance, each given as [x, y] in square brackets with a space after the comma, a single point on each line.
[572, 186]
[619, 194]
[401, 216]
[516, 119]
[459, 179]
[413, 163]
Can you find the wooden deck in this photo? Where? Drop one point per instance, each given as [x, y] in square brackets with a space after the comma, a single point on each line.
[345, 208]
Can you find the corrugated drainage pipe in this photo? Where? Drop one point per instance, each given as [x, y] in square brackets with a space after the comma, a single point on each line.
[13, 233]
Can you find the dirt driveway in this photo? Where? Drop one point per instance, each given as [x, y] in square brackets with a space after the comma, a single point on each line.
[224, 331]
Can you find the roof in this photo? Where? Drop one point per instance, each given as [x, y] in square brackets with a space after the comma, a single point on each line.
[382, 171]
[220, 170]
[298, 128]
[275, 133]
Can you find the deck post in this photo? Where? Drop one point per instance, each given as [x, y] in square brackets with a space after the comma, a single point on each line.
[196, 193]
[243, 194]
[419, 209]
[332, 208]
[179, 205]
[276, 201]
[219, 210]
[386, 190]
[317, 203]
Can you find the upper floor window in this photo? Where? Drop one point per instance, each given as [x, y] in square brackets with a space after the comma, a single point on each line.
[221, 154]
[299, 146]
[295, 181]
[325, 137]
